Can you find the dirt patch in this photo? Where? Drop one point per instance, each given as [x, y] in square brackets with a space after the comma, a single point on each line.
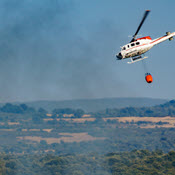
[48, 119]
[47, 130]
[49, 115]
[86, 116]
[35, 130]
[78, 120]
[82, 120]
[13, 123]
[7, 130]
[68, 115]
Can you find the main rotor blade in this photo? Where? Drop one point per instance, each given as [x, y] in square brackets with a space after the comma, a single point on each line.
[141, 23]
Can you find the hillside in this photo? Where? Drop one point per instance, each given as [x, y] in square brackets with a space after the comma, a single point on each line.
[94, 105]
[142, 162]
[26, 130]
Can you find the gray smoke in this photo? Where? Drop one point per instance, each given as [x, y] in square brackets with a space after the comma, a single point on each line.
[46, 54]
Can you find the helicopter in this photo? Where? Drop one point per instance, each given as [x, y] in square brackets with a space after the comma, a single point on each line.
[138, 46]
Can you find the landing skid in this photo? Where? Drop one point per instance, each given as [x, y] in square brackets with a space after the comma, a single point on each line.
[136, 59]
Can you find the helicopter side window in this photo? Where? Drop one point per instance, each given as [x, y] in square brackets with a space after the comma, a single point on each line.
[124, 48]
[137, 43]
[133, 44]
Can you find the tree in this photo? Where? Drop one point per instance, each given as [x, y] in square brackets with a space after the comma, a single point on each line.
[42, 111]
[24, 107]
[36, 119]
[43, 142]
[63, 111]
[10, 108]
[78, 113]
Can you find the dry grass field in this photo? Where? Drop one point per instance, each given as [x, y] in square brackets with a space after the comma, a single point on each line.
[170, 121]
[145, 122]
[66, 137]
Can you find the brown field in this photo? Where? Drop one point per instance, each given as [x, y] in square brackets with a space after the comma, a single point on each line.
[13, 123]
[7, 130]
[86, 115]
[152, 119]
[47, 130]
[34, 130]
[82, 120]
[170, 120]
[79, 137]
[48, 119]
[49, 115]
[68, 115]
[78, 120]
[66, 137]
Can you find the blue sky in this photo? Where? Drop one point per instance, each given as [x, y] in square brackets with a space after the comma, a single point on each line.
[56, 50]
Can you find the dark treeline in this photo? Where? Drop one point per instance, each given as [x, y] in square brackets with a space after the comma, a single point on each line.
[60, 112]
[10, 108]
[166, 109]
[127, 163]
[19, 109]
[24, 109]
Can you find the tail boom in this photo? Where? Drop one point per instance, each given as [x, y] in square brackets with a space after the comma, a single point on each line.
[163, 38]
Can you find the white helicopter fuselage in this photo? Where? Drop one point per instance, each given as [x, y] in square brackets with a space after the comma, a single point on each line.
[141, 45]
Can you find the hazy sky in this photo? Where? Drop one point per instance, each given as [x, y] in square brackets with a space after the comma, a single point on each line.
[65, 49]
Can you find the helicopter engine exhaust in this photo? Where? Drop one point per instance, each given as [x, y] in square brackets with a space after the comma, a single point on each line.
[148, 78]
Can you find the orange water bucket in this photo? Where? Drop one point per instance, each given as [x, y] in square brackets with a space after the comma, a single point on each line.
[148, 78]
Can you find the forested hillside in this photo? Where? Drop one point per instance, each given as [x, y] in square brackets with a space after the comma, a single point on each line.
[166, 109]
[72, 141]
[141, 162]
